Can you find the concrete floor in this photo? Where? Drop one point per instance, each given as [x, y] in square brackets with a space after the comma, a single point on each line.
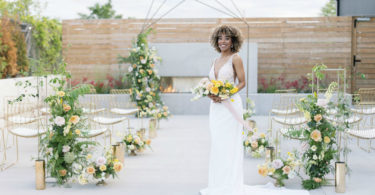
[178, 165]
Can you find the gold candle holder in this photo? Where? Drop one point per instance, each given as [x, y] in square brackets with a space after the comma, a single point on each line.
[252, 124]
[114, 149]
[120, 152]
[270, 154]
[340, 173]
[40, 175]
[152, 128]
[141, 133]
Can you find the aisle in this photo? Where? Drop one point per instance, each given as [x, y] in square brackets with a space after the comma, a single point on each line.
[177, 166]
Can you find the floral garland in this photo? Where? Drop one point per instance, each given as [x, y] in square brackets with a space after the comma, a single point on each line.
[144, 80]
[65, 153]
[320, 142]
[255, 144]
[280, 169]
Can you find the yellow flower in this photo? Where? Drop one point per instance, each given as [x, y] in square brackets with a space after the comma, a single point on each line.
[129, 138]
[66, 107]
[214, 90]
[165, 114]
[159, 115]
[89, 156]
[234, 90]
[152, 65]
[315, 95]
[117, 166]
[307, 116]
[271, 170]
[327, 139]
[78, 132]
[231, 99]
[262, 170]
[317, 180]
[141, 71]
[115, 160]
[149, 72]
[246, 143]
[262, 135]
[316, 135]
[62, 172]
[103, 167]
[255, 130]
[318, 117]
[61, 93]
[165, 108]
[90, 170]
[74, 119]
[134, 65]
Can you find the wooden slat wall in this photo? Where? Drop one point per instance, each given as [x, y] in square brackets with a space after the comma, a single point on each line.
[285, 45]
[365, 51]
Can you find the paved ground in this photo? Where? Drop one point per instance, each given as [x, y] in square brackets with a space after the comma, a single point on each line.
[178, 165]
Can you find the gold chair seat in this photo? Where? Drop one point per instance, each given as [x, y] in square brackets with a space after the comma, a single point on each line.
[351, 120]
[22, 119]
[290, 120]
[364, 134]
[108, 120]
[45, 110]
[26, 132]
[284, 112]
[370, 110]
[93, 132]
[124, 111]
[92, 111]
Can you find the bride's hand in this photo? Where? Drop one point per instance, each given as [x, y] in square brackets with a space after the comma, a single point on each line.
[214, 98]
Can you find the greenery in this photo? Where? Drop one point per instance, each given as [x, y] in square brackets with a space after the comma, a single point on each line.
[250, 109]
[101, 12]
[329, 8]
[143, 78]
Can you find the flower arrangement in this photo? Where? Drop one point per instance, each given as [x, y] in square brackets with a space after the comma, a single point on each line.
[280, 169]
[143, 78]
[320, 137]
[248, 113]
[61, 145]
[135, 143]
[255, 144]
[100, 168]
[224, 90]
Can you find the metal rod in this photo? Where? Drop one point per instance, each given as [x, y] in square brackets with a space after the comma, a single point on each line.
[148, 12]
[174, 7]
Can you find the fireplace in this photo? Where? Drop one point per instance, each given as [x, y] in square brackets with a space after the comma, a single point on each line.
[178, 84]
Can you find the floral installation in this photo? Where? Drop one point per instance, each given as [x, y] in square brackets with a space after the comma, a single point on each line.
[135, 143]
[248, 113]
[281, 169]
[100, 168]
[320, 137]
[143, 78]
[222, 89]
[65, 153]
[255, 144]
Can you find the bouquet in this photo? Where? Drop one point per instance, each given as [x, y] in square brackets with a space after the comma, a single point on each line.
[224, 90]
[280, 169]
[100, 168]
[255, 144]
[134, 142]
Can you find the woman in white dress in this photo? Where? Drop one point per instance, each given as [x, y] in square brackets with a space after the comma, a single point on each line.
[226, 155]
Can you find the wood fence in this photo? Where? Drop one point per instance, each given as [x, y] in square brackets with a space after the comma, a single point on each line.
[286, 46]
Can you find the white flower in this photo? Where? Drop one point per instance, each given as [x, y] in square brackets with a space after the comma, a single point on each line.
[101, 161]
[66, 149]
[313, 148]
[261, 148]
[59, 121]
[322, 102]
[131, 147]
[130, 69]
[67, 129]
[82, 179]
[277, 163]
[291, 175]
[315, 157]
[143, 61]
[150, 104]
[148, 89]
[49, 150]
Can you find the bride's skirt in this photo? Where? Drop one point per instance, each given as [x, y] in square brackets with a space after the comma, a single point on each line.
[226, 156]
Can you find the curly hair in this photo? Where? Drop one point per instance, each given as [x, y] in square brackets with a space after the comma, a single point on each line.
[233, 32]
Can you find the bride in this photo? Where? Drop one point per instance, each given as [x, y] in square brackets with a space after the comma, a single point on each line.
[226, 155]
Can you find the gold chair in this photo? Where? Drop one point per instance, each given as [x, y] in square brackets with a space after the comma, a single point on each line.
[124, 108]
[286, 91]
[365, 130]
[366, 96]
[21, 120]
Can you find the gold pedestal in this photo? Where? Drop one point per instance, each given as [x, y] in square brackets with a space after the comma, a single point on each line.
[252, 124]
[40, 180]
[120, 152]
[132, 153]
[114, 149]
[340, 173]
[270, 154]
[152, 129]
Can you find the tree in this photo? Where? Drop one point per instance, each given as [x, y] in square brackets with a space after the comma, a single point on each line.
[101, 12]
[329, 9]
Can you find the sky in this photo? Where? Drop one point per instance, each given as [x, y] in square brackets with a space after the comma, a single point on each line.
[69, 9]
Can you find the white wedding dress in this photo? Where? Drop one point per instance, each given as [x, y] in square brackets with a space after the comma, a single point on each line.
[226, 156]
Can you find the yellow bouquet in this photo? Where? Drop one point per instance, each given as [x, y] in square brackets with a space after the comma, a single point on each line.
[224, 90]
